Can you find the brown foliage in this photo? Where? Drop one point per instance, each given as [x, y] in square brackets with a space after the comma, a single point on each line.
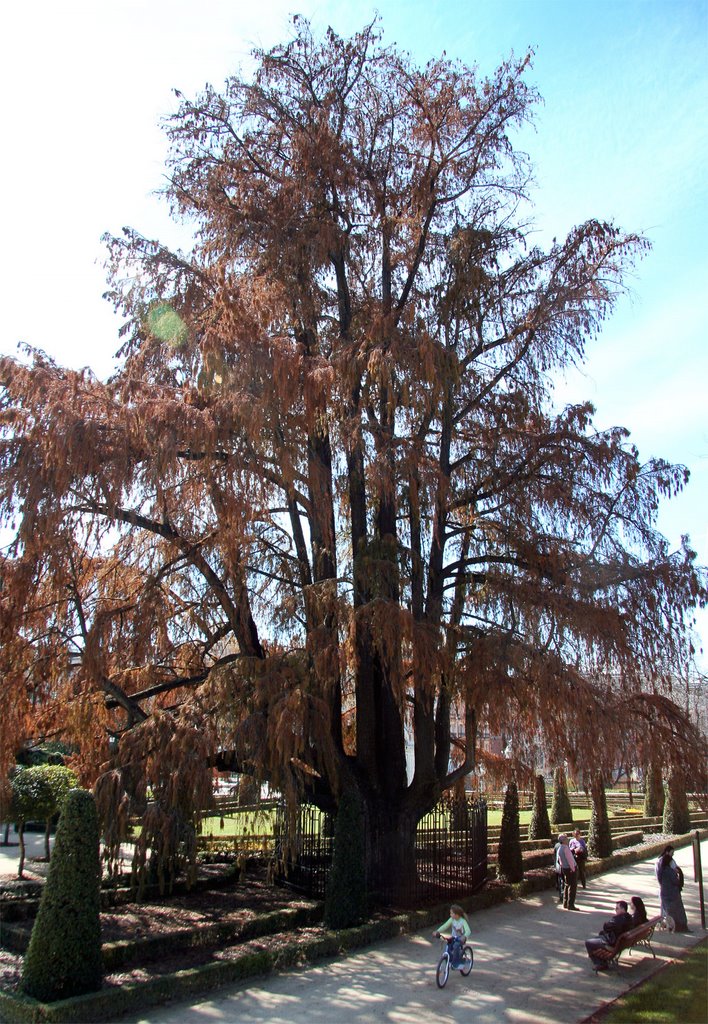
[326, 483]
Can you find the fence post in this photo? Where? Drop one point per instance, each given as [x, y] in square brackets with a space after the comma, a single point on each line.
[698, 874]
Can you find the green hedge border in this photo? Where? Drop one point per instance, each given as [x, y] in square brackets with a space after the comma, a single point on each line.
[111, 1003]
[117, 954]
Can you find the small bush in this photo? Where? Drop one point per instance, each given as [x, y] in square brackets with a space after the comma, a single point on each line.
[64, 955]
[599, 832]
[677, 818]
[653, 791]
[540, 825]
[510, 860]
[37, 795]
[561, 811]
[346, 902]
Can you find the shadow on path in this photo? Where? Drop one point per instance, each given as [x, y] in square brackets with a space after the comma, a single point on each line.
[530, 968]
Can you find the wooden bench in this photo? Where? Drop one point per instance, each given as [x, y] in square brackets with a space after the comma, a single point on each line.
[640, 936]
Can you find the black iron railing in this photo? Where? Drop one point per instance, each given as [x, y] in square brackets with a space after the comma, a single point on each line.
[450, 854]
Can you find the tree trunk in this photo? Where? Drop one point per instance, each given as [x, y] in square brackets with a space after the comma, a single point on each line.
[21, 836]
[390, 850]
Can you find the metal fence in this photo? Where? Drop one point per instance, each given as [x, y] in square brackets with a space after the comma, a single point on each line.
[451, 854]
[303, 849]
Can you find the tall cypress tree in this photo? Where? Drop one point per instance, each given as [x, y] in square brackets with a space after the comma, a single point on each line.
[64, 956]
[677, 819]
[333, 428]
[561, 811]
[511, 862]
[653, 791]
[599, 834]
[540, 825]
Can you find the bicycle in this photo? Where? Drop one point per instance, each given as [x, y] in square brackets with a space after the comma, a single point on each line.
[444, 967]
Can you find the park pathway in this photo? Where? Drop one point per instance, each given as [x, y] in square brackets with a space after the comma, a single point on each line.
[530, 968]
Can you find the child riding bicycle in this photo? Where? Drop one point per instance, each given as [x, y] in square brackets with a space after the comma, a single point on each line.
[455, 930]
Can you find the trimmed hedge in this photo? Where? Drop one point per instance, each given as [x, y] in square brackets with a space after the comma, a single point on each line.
[111, 1003]
[540, 824]
[118, 954]
[599, 832]
[561, 808]
[676, 814]
[510, 864]
[64, 954]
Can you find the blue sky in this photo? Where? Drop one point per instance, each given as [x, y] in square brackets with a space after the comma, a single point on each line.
[622, 134]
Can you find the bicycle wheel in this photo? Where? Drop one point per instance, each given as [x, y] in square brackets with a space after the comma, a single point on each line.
[443, 971]
[467, 961]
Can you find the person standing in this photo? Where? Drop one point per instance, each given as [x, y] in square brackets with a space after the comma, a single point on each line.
[579, 849]
[670, 878]
[565, 864]
[559, 875]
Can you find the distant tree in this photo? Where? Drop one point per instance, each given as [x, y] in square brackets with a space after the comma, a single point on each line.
[51, 752]
[540, 825]
[59, 780]
[326, 505]
[561, 809]
[37, 794]
[64, 955]
[599, 833]
[653, 791]
[677, 818]
[459, 807]
[249, 790]
[510, 860]
[346, 900]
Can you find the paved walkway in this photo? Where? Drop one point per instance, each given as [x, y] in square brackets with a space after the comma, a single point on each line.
[10, 854]
[34, 848]
[530, 968]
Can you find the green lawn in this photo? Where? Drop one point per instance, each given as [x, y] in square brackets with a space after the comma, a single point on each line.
[245, 823]
[494, 817]
[676, 995]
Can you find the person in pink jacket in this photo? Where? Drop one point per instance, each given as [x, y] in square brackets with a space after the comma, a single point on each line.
[567, 867]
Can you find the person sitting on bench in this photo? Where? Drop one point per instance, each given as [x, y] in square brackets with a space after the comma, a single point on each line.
[637, 911]
[611, 931]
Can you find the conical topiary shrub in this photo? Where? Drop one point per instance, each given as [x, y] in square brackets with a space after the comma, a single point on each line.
[510, 860]
[346, 902]
[540, 825]
[677, 819]
[64, 955]
[653, 791]
[561, 811]
[599, 834]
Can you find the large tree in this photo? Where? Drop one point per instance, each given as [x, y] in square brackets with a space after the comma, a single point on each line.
[325, 503]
